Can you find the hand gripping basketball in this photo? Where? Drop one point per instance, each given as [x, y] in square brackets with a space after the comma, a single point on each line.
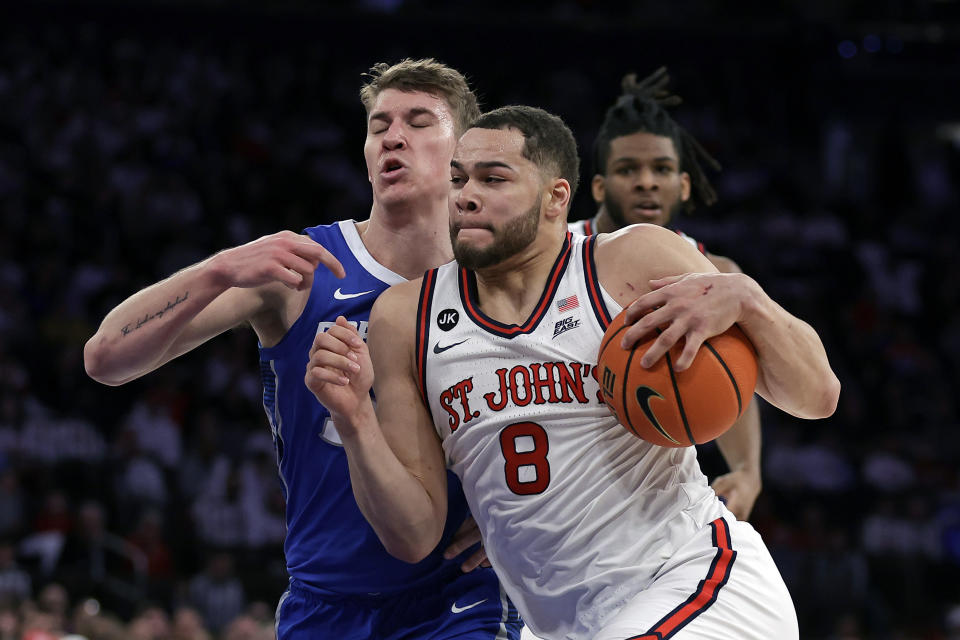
[677, 408]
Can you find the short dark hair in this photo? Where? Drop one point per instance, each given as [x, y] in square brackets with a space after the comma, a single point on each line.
[548, 142]
[642, 107]
[426, 75]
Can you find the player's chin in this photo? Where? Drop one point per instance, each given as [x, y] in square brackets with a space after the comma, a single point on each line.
[657, 218]
[395, 192]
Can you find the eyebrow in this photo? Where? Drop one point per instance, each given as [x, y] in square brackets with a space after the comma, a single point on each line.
[490, 164]
[658, 159]
[412, 113]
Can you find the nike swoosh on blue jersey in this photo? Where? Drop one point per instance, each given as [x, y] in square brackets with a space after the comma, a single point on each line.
[339, 295]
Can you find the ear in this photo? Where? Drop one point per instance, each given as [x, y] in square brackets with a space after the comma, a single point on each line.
[598, 187]
[684, 186]
[558, 198]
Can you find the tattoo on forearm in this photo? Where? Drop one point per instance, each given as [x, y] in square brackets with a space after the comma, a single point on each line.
[127, 328]
[706, 289]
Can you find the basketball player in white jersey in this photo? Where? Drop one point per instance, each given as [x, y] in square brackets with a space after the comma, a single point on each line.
[648, 168]
[487, 366]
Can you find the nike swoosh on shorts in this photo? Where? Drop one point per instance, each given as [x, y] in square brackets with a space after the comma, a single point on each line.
[454, 608]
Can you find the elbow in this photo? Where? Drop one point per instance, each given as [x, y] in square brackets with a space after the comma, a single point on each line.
[413, 544]
[408, 551]
[833, 395]
[828, 398]
[96, 363]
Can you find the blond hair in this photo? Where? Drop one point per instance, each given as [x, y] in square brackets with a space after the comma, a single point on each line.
[426, 75]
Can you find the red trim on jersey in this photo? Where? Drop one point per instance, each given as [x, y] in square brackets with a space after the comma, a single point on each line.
[593, 283]
[707, 590]
[468, 296]
[588, 227]
[700, 246]
[423, 330]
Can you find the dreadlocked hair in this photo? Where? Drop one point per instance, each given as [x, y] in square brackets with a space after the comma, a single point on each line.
[643, 107]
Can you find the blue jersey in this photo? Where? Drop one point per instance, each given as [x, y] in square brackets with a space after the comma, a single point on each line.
[329, 543]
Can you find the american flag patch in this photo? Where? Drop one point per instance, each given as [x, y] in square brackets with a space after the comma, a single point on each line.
[565, 304]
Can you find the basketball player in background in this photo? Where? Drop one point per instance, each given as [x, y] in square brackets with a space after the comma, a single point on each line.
[486, 365]
[648, 168]
[288, 286]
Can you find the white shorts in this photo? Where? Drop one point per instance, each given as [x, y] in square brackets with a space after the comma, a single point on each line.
[721, 585]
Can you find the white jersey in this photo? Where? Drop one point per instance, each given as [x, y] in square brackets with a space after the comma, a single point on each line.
[588, 227]
[577, 515]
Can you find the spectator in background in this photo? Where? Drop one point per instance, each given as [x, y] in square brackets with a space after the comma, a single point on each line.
[15, 583]
[54, 514]
[188, 624]
[150, 623]
[12, 512]
[218, 512]
[216, 592]
[95, 561]
[9, 621]
[150, 538]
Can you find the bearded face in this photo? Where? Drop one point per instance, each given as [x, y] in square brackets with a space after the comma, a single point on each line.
[509, 240]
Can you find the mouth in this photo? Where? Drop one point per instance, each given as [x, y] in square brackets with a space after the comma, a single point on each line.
[471, 226]
[648, 209]
[391, 167]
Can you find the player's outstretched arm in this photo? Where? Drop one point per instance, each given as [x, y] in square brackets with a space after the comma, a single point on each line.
[177, 314]
[396, 461]
[682, 290]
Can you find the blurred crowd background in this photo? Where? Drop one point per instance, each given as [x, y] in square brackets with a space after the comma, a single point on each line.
[136, 141]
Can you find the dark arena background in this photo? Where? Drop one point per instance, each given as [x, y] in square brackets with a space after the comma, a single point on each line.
[138, 138]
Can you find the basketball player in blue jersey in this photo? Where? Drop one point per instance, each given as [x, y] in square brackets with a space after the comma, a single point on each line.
[288, 287]
[487, 366]
[648, 168]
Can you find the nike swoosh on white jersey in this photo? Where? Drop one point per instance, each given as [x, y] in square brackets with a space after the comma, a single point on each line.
[457, 609]
[346, 296]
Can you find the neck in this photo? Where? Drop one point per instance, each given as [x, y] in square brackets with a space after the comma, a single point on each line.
[509, 292]
[603, 222]
[408, 239]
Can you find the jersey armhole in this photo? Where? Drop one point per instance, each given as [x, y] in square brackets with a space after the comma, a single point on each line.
[594, 289]
[424, 308]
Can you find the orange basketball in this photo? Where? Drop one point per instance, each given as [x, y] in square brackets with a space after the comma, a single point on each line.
[671, 408]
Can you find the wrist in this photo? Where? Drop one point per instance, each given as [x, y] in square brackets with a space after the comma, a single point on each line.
[753, 301]
[357, 424]
[216, 272]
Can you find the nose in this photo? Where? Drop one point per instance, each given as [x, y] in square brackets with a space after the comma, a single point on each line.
[466, 200]
[646, 180]
[394, 137]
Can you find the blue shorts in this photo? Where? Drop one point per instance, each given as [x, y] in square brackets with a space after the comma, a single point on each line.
[469, 606]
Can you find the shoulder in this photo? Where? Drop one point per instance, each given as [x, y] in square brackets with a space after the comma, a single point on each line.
[646, 237]
[629, 258]
[322, 230]
[397, 305]
[393, 325]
